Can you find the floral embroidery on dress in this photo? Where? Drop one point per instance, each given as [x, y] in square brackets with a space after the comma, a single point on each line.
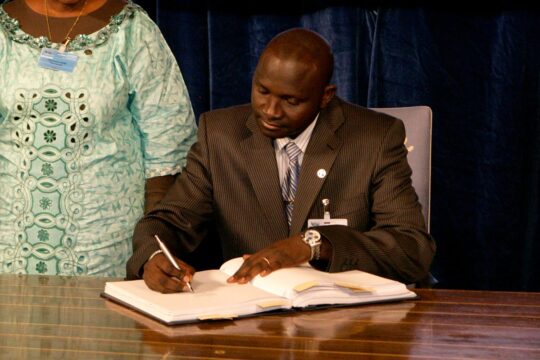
[41, 267]
[45, 203]
[49, 136]
[43, 235]
[51, 105]
[47, 169]
[49, 196]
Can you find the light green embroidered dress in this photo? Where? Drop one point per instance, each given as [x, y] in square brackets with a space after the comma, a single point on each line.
[76, 148]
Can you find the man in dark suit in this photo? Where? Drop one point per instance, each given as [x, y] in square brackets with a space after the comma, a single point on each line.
[352, 159]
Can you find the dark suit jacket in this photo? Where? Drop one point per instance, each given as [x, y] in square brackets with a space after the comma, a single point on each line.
[231, 181]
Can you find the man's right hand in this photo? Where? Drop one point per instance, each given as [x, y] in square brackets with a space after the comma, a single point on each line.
[160, 275]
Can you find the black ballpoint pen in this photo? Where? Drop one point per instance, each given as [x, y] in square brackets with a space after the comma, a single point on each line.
[170, 258]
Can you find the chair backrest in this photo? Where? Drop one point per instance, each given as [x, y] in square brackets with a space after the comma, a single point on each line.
[417, 121]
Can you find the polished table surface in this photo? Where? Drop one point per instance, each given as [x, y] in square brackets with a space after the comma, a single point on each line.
[65, 318]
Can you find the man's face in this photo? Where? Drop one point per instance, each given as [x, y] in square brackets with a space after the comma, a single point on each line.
[286, 95]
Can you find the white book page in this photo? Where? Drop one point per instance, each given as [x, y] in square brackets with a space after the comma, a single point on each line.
[281, 282]
[213, 298]
[308, 286]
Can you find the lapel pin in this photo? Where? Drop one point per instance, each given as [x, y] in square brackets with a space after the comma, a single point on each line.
[321, 173]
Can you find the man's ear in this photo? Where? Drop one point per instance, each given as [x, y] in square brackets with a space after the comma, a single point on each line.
[329, 93]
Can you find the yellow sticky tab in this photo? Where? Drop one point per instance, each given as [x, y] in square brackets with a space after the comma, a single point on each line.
[355, 287]
[217, 316]
[305, 286]
[273, 303]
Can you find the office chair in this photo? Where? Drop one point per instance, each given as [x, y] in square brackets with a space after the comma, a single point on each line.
[417, 121]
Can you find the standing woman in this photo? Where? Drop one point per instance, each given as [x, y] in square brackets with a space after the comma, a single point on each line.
[94, 114]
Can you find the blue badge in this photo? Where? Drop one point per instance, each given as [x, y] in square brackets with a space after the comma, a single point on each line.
[57, 60]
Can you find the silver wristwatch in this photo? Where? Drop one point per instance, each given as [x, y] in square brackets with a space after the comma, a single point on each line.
[313, 239]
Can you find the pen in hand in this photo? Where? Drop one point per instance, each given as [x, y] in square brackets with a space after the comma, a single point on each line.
[170, 258]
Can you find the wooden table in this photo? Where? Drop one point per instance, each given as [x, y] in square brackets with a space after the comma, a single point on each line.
[65, 318]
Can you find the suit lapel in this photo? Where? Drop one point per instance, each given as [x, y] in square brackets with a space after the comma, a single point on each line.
[261, 166]
[263, 173]
[320, 154]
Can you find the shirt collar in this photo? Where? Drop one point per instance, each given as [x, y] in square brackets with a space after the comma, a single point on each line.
[301, 140]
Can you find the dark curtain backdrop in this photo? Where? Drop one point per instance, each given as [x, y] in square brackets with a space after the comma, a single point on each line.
[478, 70]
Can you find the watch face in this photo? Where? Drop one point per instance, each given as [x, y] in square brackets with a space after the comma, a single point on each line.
[313, 237]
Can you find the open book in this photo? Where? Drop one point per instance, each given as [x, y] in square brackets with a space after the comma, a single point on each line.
[285, 289]
[319, 324]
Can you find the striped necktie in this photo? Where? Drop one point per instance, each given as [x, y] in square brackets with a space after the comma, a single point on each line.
[291, 178]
